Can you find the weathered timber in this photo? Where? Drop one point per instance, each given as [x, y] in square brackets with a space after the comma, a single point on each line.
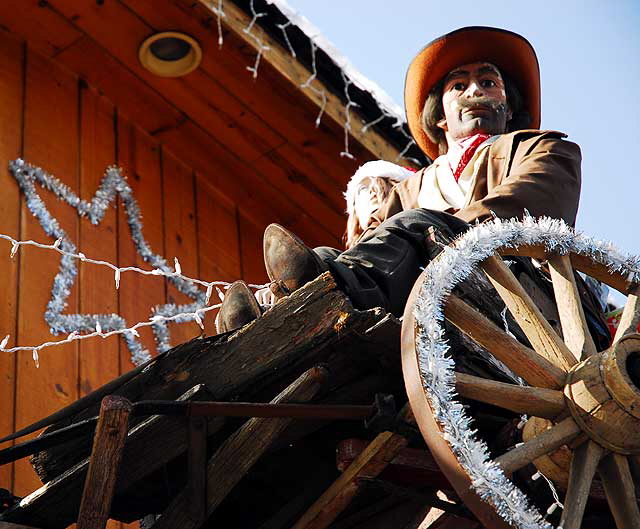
[238, 454]
[56, 503]
[369, 463]
[295, 333]
[106, 455]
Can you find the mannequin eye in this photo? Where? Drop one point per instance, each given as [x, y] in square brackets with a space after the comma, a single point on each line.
[488, 83]
[459, 86]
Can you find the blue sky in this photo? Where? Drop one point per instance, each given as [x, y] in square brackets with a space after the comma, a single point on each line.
[589, 54]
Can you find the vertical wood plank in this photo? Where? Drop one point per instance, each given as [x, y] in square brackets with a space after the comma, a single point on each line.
[139, 157]
[11, 90]
[251, 251]
[99, 359]
[50, 141]
[218, 240]
[180, 237]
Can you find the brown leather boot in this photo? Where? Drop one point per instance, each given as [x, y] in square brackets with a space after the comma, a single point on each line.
[288, 261]
[238, 308]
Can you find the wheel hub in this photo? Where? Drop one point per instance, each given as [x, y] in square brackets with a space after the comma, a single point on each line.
[603, 396]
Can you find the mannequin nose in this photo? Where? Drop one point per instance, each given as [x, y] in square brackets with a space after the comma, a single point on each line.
[474, 90]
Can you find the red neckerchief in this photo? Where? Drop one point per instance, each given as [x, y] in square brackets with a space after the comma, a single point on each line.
[469, 147]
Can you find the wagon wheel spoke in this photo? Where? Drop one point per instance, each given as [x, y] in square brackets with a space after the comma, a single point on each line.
[540, 402]
[543, 338]
[574, 325]
[620, 490]
[583, 466]
[630, 315]
[524, 361]
[546, 442]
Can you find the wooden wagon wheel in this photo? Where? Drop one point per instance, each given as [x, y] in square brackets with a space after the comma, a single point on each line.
[575, 396]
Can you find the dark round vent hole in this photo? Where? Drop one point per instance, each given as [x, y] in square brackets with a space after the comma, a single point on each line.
[170, 48]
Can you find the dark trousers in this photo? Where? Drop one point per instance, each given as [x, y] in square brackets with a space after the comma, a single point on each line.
[381, 269]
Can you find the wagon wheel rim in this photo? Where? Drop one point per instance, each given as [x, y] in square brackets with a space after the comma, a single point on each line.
[430, 380]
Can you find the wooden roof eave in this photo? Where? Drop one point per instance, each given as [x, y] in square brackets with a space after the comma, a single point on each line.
[281, 59]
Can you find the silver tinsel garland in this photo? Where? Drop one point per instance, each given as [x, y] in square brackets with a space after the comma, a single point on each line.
[113, 184]
[452, 266]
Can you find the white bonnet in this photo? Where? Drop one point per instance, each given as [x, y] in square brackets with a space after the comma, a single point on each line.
[377, 168]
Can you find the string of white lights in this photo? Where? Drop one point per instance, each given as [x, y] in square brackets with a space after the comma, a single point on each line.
[261, 46]
[220, 14]
[74, 336]
[196, 315]
[308, 83]
[118, 270]
[399, 125]
[347, 111]
[283, 28]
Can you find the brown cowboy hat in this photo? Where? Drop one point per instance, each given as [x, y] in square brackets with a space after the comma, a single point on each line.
[510, 52]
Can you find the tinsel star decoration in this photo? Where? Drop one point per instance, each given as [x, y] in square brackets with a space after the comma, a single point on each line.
[112, 185]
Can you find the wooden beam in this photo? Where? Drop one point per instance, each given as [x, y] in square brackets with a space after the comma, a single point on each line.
[574, 325]
[239, 453]
[369, 463]
[108, 443]
[281, 59]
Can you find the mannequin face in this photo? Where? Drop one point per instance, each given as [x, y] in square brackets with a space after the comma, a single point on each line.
[474, 101]
[367, 200]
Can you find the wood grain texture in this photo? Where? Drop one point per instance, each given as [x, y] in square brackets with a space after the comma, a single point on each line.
[378, 454]
[180, 235]
[583, 466]
[574, 325]
[620, 490]
[543, 338]
[235, 457]
[556, 436]
[540, 402]
[139, 158]
[630, 318]
[99, 360]
[51, 133]
[11, 87]
[106, 455]
[532, 367]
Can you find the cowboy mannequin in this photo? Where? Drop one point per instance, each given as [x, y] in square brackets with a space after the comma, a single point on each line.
[472, 96]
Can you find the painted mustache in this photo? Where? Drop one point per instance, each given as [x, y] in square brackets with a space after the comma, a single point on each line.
[483, 102]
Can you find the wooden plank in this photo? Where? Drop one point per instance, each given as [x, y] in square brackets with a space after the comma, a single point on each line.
[270, 96]
[241, 364]
[630, 315]
[131, 95]
[574, 325]
[291, 69]
[99, 359]
[11, 87]
[534, 368]
[139, 157]
[251, 236]
[32, 20]
[108, 442]
[369, 463]
[51, 135]
[556, 436]
[218, 241]
[180, 235]
[619, 488]
[539, 402]
[202, 99]
[583, 466]
[235, 457]
[543, 338]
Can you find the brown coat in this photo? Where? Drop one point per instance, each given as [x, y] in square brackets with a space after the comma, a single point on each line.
[528, 169]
